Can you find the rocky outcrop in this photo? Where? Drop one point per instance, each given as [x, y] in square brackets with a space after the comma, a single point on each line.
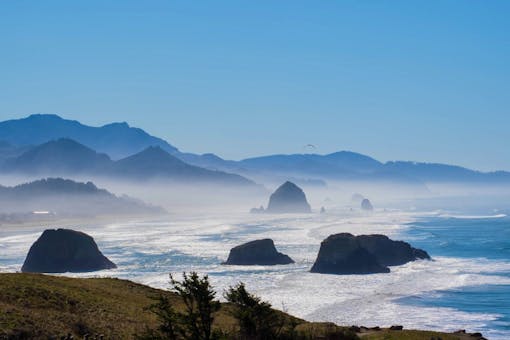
[288, 198]
[259, 252]
[257, 210]
[65, 250]
[342, 254]
[366, 205]
[366, 254]
[389, 252]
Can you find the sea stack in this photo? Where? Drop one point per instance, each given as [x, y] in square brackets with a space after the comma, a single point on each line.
[65, 250]
[366, 254]
[258, 252]
[366, 205]
[288, 198]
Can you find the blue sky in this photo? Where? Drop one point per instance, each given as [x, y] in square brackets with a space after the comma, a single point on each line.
[409, 80]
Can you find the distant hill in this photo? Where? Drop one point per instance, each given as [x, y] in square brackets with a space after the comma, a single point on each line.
[332, 165]
[58, 157]
[54, 186]
[154, 162]
[434, 172]
[346, 165]
[66, 157]
[210, 161]
[7, 150]
[342, 166]
[65, 197]
[117, 139]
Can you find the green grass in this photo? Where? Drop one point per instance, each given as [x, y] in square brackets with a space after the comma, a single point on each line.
[42, 306]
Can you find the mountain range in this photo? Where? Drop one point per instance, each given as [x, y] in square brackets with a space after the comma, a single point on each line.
[65, 157]
[118, 140]
[49, 144]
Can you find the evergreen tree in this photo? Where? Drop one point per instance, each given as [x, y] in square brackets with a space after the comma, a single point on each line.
[195, 322]
[256, 318]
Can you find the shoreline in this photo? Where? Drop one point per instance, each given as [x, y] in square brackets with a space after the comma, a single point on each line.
[174, 233]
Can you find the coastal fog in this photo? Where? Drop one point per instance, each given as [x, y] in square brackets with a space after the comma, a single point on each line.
[188, 197]
[202, 223]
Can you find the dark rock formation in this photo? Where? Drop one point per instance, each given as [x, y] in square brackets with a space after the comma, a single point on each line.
[288, 198]
[389, 252]
[65, 250]
[257, 210]
[259, 252]
[342, 254]
[323, 210]
[366, 254]
[355, 329]
[366, 205]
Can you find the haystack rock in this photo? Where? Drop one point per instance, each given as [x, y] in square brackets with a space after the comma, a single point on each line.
[259, 252]
[366, 254]
[65, 250]
[288, 198]
[366, 205]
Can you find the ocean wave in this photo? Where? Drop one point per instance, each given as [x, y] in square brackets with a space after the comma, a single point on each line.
[472, 217]
[201, 244]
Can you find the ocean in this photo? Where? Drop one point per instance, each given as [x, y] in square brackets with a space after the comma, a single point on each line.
[465, 286]
[485, 239]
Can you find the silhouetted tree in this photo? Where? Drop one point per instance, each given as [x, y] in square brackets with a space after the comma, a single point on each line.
[195, 321]
[168, 319]
[256, 318]
[200, 305]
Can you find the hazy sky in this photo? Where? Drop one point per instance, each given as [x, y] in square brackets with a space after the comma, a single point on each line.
[411, 80]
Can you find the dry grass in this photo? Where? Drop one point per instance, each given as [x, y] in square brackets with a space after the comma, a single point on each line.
[44, 306]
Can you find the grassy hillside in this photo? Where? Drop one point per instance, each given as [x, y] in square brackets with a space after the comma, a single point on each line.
[42, 306]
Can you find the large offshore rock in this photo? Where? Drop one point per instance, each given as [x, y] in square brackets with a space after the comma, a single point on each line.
[366, 205]
[389, 252]
[259, 252]
[366, 254]
[65, 250]
[342, 254]
[288, 198]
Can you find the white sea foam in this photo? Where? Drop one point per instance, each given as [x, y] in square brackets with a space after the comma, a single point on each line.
[147, 251]
[473, 217]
